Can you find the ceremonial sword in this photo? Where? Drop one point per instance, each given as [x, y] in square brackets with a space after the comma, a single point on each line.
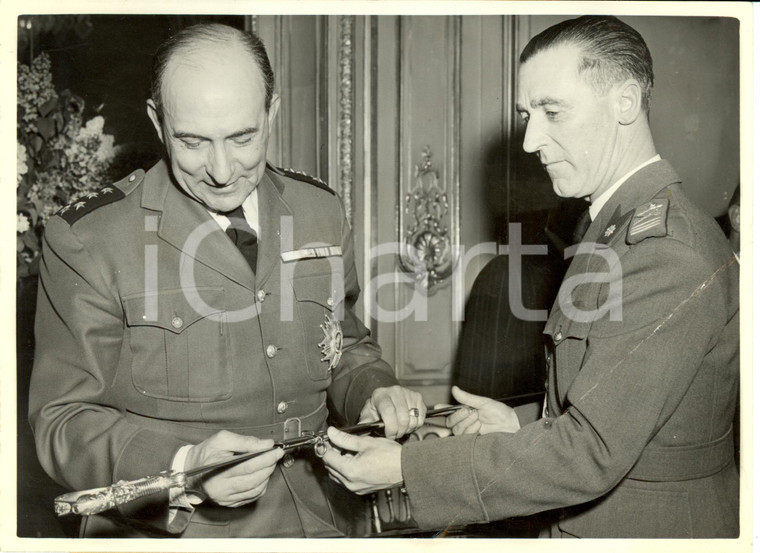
[98, 500]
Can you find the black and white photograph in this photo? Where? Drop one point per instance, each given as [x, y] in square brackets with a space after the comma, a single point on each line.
[401, 270]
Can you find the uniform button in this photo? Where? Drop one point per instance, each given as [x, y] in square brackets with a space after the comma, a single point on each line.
[132, 178]
[177, 322]
[288, 461]
[282, 407]
[330, 302]
[558, 336]
[271, 351]
[548, 423]
[261, 295]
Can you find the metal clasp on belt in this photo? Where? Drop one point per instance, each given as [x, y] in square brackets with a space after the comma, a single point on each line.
[293, 437]
[291, 428]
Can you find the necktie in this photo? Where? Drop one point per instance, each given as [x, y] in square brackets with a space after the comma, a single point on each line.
[582, 226]
[243, 236]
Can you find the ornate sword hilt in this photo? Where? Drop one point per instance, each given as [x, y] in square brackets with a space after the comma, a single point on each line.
[92, 502]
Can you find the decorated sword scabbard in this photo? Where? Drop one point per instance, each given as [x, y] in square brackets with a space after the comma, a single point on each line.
[92, 502]
[97, 500]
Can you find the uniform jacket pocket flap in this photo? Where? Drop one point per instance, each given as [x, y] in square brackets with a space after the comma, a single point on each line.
[559, 327]
[173, 310]
[325, 289]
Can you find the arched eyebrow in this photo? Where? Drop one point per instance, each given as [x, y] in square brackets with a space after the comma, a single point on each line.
[236, 134]
[243, 132]
[544, 101]
[548, 101]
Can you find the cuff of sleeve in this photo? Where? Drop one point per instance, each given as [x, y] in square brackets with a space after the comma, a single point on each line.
[440, 473]
[147, 453]
[181, 498]
[361, 390]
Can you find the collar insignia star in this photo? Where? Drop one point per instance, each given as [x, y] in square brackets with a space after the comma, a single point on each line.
[610, 231]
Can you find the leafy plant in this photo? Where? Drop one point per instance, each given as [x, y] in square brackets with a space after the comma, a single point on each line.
[59, 156]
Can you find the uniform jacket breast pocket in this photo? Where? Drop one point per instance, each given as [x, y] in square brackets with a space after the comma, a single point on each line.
[319, 307]
[179, 344]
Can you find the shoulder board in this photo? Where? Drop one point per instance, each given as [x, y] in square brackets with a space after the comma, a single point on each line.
[650, 220]
[303, 177]
[90, 202]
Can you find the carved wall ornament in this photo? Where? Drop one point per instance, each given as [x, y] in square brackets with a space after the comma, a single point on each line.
[426, 245]
[346, 108]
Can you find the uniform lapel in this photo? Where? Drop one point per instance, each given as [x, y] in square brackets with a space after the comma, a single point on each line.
[274, 231]
[607, 230]
[187, 225]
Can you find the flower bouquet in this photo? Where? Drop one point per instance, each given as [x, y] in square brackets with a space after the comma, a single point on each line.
[59, 156]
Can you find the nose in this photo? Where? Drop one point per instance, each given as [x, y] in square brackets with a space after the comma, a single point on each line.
[219, 166]
[534, 137]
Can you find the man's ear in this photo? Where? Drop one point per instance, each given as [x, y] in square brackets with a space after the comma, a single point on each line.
[628, 97]
[274, 107]
[155, 119]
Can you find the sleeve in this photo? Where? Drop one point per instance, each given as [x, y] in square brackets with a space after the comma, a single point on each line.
[83, 440]
[632, 378]
[361, 369]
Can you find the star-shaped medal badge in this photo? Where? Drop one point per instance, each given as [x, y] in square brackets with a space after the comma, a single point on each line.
[332, 344]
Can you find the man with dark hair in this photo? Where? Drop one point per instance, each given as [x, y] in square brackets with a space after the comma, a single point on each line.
[635, 437]
[203, 309]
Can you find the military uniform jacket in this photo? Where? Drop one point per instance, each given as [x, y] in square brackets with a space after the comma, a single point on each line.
[636, 439]
[152, 332]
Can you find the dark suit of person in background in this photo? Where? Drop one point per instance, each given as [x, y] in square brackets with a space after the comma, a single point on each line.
[160, 344]
[500, 354]
[635, 438]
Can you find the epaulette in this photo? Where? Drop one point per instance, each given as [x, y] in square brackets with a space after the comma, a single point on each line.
[88, 203]
[303, 177]
[650, 220]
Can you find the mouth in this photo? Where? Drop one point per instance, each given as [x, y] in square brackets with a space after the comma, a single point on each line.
[552, 166]
[222, 188]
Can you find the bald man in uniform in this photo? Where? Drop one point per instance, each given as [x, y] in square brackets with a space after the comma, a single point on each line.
[203, 309]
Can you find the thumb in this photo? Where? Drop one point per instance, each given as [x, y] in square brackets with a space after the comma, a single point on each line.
[466, 398]
[345, 441]
[368, 413]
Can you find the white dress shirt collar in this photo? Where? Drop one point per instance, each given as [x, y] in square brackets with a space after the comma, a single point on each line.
[598, 204]
[250, 210]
